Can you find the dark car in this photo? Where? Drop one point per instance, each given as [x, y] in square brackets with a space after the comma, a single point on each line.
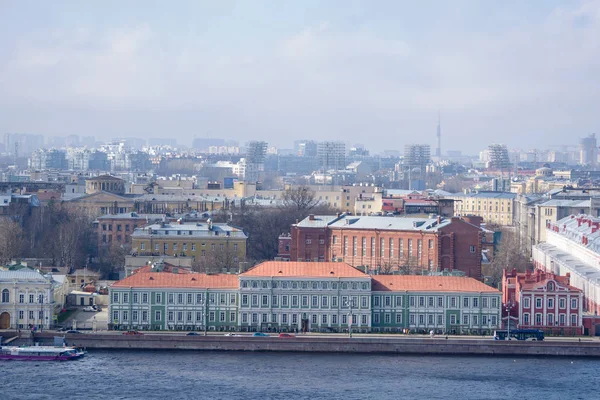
[132, 333]
[73, 331]
[286, 335]
[260, 334]
[192, 334]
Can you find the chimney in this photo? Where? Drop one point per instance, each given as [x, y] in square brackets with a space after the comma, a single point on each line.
[311, 217]
[568, 278]
[513, 272]
[439, 219]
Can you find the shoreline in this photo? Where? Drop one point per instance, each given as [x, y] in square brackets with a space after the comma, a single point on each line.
[317, 344]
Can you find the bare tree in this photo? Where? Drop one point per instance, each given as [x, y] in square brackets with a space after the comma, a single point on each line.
[508, 256]
[409, 266]
[11, 240]
[300, 198]
[217, 261]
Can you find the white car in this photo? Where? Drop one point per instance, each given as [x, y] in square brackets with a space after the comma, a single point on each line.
[89, 309]
[232, 334]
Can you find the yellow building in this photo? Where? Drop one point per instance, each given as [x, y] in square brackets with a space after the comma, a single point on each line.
[197, 240]
[493, 207]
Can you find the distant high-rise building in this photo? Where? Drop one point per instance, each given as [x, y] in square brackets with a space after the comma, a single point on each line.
[416, 158]
[48, 159]
[254, 167]
[305, 148]
[22, 144]
[498, 154]
[331, 155]
[588, 151]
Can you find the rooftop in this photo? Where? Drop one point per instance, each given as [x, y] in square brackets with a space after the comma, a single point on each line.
[417, 283]
[305, 269]
[187, 229]
[22, 275]
[391, 223]
[318, 221]
[172, 280]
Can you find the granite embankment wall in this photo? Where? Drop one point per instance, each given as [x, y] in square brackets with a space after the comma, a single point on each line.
[422, 346]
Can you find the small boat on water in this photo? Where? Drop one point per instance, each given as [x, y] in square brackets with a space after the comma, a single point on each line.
[40, 353]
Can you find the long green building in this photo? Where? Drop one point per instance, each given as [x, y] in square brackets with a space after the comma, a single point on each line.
[278, 296]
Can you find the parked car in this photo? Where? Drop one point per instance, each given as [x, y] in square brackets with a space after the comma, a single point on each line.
[286, 335]
[192, 334]
[89, 309]
[73, 331]
[97, 308]
[260, 334]
[132, 333]
[232, 334]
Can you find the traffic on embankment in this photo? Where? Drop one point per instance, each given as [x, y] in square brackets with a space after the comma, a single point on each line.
[422, 345]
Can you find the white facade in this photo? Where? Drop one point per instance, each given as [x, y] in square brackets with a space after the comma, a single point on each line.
[26, 298]
[573, 246]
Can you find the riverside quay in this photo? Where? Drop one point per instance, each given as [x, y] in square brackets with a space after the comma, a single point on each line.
[278, 296]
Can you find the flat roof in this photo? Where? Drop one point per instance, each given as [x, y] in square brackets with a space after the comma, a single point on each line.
[418, 283]
[305, 269]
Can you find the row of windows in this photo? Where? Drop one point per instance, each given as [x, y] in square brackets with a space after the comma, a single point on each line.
[31, 297]
[382, 246]
[184, 247]
[174, 298]
[436, 301]
[562, 302]
[119, 227]
[323, 319]
[255, 284]
[436, 319]
[31, 314]
[304, 301]
[562, 319]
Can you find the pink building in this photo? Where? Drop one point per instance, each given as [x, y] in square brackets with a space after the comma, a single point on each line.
[543, 301]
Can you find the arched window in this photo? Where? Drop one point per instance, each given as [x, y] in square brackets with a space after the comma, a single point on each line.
[5, 296]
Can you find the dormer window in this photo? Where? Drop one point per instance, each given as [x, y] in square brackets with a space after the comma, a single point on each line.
[550, 286]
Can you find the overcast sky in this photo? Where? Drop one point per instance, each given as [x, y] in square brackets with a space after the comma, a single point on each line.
[524, 73]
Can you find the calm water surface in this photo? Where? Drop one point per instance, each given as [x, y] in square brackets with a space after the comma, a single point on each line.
[221, 375]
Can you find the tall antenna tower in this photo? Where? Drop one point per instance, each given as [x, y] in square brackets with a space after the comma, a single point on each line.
[438, 150]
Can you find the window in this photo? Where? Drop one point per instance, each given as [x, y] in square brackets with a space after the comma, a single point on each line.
[421, 301]
[334, 301]
[538, 302]
[315, 301]
[430, 319]
[465, 319]
[222, 316]
[158, 298]
[387, 318]
[550, 303]
[115, 316]
[171, 298]
[375, 318]
[538, 319]
[244, 318]
[398, 318]
[134, 316]
[244, 299]
[372, 247]
[193, 246]
[273, 318]
[412, 319]
[561, 318]
[387, 301]
[412, 301]
[324, 319]
[526, 302]
[144, 316]
[494, 320]
[430, 301]
[573, 304]
[333, 319]
[453, 302]
[431, 243]
[472, 249]
[125, 297]
[475, 319]
[484, 302]
[6, 296]
[440, 319]
[421, 319]
[144, 298]
[324, 301]
[314, 318]
[265, 300]
[157, 316]
[41, 298]
[142, 246]
[211, 316]
[475, 302]
[170, 316]
[284, 301]
[179, 298]
[254, 300]
[452, 319]
[484, 320]
[382, 247]
[440, 301]
[525, 319]
[284, 318]
[550, 319]
[398, 301]
[562, 303]
[364, 302]
[21, 298]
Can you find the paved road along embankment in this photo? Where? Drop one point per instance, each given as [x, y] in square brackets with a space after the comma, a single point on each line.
[401, 345]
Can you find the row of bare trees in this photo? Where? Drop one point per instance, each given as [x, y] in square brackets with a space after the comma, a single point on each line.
[54, 232]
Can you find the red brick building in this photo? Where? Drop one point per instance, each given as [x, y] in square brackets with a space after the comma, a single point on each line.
[116, 229]
[390, 243]
[544, 301]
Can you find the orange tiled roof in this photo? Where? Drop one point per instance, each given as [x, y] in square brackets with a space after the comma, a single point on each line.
[307, 269]
[560, 281]
[417, 283]
[171, 280]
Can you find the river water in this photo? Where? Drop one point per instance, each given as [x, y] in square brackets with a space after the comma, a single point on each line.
[223, 375]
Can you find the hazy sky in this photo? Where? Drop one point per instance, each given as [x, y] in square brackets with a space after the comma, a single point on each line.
[521, 72]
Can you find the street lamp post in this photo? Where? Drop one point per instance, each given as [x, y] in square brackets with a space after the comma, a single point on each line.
[508, 308]
[350, 304]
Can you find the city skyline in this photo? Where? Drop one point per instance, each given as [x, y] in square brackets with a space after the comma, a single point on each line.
[512, 73]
